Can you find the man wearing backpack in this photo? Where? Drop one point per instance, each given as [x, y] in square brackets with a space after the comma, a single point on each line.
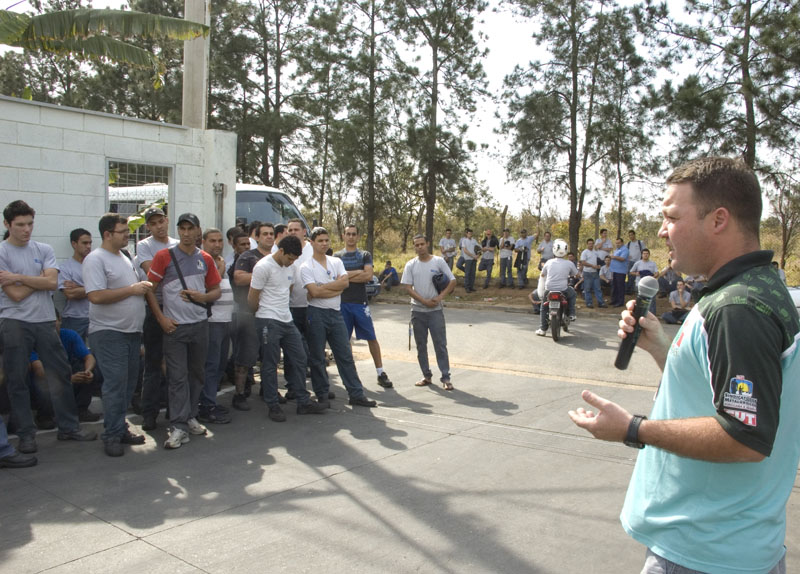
[190, 281]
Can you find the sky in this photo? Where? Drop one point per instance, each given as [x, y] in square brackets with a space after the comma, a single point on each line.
[509, 43]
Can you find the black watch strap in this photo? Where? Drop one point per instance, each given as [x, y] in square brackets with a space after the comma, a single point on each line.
[632, 438]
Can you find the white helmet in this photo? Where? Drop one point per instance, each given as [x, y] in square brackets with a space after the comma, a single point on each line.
[560, 248]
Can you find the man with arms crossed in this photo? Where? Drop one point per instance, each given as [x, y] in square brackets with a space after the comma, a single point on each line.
[427, 314]
[721, 447]
[447, 246]
[116, 315]
[325, 278]
[355, 306]
[269, 297]
[28, 273]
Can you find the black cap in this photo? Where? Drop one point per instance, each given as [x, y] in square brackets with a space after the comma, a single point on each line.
[190, 217]
[153, 211]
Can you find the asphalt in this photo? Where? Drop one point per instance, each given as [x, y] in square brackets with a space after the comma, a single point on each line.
[491, 477]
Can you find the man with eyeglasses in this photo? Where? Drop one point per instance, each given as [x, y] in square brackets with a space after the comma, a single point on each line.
[116, 316]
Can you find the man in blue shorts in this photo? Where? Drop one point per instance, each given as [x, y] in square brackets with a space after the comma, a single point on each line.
[719, 452]
[355, 307]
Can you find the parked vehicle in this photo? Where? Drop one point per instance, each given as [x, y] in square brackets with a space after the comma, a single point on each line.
[556, 305]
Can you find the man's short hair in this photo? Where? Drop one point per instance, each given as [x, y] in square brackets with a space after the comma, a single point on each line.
[291, 246]
[631, 231]
[448, 229]
[548, 233]
[420, 236]
[109, 223]
[233, 232]
[388, 263]
[645, 249]
[209, 231]
[253, 226]
[723, 182]
[353, 225]
[317, 231]
[280, 228]
[263, 225]
[77, 233]
[604, 230]
[590, 239]
[239, 235]
[295, 220]
[467, 230]
[16, 209]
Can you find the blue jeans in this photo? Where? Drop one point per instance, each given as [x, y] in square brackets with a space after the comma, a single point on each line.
[78, 324]
[5, 448]
[274, 336]
[216, 359]
[591, 284]
[19, 339]
[487, 265]
[423, 322]
[506, 276]
[185, 352]
[469, 273]
[544, 318]
[117, 353]
[655, 564]
[327, 325]
[153, 382]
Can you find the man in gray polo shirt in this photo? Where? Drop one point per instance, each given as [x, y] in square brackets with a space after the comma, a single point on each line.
[187, 289]
[28, 275]
[116, 314]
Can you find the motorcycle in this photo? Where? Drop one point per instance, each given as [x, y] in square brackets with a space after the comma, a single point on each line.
[556, 305]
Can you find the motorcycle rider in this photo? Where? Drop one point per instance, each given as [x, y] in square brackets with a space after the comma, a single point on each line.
[555, 277]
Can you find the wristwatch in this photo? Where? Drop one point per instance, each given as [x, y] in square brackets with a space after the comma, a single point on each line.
[632, 437]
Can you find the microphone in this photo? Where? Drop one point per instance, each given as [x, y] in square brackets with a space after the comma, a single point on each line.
[648, 288]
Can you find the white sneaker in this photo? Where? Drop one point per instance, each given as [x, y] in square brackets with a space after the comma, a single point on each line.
[541, 332]
[195, 427]
[176, 438]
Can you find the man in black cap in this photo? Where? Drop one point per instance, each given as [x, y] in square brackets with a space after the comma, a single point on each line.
[190, 282]
[153, 382]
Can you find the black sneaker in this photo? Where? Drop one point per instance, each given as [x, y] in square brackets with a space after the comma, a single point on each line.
[113, 446]
[17, 460]
[130, 438]
[290, 396]
[363, 402]
[383, 380]
[281, 399]
[45, 423]
[239, 402]
[87, 416]
[27, 444]
[149, 422]
[312, 408]
[213, 415]
[276, 414]
[79, 435]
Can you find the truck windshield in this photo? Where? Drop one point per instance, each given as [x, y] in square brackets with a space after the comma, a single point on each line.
[264, 206]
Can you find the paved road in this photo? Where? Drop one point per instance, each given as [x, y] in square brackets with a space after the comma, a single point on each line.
[489, 478]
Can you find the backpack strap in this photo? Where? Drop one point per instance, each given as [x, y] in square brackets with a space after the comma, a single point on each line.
[206, 306]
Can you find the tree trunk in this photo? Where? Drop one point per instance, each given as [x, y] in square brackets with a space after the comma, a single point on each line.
[747, 91]
[371, 135]
[430, 195]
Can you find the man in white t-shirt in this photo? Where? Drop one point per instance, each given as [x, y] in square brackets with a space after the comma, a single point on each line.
[635, 248]
[324, 278]
[269, 297]
[591, 275]
[116, 315]
[447, 246]
[545, 249]
[28, 276]
[427, 314]
[470, 251]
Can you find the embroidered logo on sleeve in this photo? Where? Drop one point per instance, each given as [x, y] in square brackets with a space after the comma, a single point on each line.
[739, 401]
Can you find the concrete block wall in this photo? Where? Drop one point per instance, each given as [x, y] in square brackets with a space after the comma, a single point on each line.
[55, 158]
